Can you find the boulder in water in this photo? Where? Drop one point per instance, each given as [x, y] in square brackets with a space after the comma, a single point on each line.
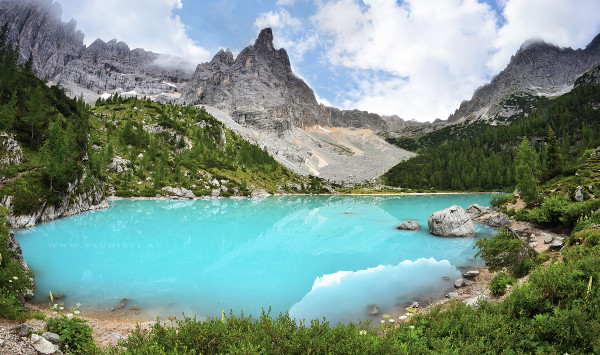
[409, 225]
[451, 222]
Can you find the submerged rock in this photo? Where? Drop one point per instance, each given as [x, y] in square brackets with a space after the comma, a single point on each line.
[409, 225]
[451, 222]
[372, 310]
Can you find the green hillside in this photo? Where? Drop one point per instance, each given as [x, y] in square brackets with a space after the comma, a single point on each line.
[481, 159]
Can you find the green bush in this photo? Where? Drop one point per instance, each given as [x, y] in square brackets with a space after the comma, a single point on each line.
[10, 306]
[558, 209]
[522, 215]
[589, 237]
[501, 200]
[75, 335]
[502, 250]
[499, 283]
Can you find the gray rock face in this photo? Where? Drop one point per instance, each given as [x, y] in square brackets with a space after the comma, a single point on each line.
[43, 346]
[179, 192]
[22, 329]
[51, 337]
[496, 220]
[80, 197]
[409, 225]
[538, 68]
[476, 210]
[258, 89]
[451, 222]
[11, 152]
[547, 238]
[579, 194]
[60, 56]
[357, 119]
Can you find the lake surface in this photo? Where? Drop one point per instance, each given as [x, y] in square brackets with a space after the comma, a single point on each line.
[314, 256]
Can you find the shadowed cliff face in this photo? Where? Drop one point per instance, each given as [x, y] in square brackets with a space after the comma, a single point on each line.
[538, 69]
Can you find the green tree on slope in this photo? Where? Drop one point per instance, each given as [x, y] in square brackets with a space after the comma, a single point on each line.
[526, 171]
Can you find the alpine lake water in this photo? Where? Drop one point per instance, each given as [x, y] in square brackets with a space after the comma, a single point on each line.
[314, 256]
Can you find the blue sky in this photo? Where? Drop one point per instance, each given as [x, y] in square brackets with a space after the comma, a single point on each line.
[415, 58]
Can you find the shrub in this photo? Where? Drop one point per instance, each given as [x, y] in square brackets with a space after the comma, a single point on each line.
[75, 335]
[501, 200]
[589, 237]
[522, 215]
[502, 250]
[499, 283]
[557, 209]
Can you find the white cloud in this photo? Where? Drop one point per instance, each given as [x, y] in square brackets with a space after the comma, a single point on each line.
[419, 59]
[571, 23]
[285, 2]
[147, 24]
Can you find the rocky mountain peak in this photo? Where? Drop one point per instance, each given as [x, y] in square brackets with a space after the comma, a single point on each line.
[224, 56]
[265, 39]
[537, 69]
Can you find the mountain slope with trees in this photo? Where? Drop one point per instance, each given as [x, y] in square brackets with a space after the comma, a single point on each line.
[482, 158]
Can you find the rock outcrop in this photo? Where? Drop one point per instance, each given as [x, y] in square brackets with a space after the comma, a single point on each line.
[537, 69]
[11, 152]
[81, 196]
[451, 222]
[15, 248]
[258, 88]
[496, 220]
[476, 210]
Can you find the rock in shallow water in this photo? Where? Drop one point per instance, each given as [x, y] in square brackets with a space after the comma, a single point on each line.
[372, 310]
[451, 222]
[409, 225]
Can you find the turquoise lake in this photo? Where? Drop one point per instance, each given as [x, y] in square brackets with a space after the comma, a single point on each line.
[314, 256]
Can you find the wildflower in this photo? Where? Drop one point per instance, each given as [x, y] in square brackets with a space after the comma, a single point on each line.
[76, 313]
[61, 308]
[363, 332]
[382, 321]
[55, 305]
[9, 280]
[16, 278]
[78, 305]
[403, 317]
[391, 320]
[69, 315]
[412, 327]
[55, 312]
[386, 316]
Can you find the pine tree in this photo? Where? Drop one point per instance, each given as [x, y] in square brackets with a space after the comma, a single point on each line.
[526, 171]
[553, 156]
[36, 116]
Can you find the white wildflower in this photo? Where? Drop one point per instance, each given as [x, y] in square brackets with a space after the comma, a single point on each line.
[61, 308]
[363, 332]
[69, 315]
[382, 321]
[412, 327]
[391, 320]
[403, 317]
[16, 278]
[76, 312]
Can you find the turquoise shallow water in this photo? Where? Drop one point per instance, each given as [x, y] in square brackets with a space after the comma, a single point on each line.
[312, 255]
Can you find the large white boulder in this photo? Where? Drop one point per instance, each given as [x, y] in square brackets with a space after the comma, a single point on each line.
[451, 222]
